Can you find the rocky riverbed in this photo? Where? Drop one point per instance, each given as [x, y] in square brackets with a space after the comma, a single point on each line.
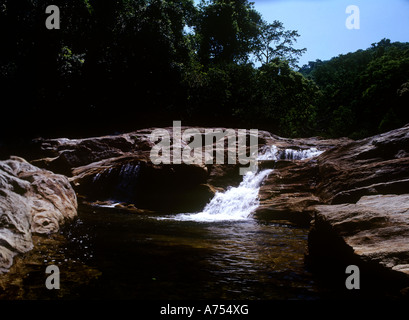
[354, 196]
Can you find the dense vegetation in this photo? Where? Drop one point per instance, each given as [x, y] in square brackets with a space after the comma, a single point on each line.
[125, 64]
[365, 92]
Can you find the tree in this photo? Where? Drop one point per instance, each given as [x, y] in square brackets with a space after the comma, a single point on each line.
[130, 54]
[276, 42]
[226, 31]
[288, 100]
[362, 90]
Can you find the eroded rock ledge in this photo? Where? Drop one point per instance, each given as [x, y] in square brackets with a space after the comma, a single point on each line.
[32, 200]
[376, 228]
[96, 166]
[357, 196]
[365, 186]
[345, 172]
[356, 192]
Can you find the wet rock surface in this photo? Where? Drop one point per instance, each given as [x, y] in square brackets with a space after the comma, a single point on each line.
[32, 200]
[365, 184]
[375, 165]
[376, 228]
[356, 195]
[119, 168]
[354, 192]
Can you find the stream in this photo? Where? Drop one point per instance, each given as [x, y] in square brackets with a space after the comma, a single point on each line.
[222, 252]
[142, 257]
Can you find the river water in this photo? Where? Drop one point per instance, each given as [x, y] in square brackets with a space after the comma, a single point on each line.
[222, 252]
[142, 257]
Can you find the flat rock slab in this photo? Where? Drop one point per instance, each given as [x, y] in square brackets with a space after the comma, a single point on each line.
[376, 228]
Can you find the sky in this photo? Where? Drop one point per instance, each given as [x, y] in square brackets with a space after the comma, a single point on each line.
[322, 24]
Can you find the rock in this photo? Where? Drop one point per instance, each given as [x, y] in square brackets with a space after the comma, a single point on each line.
[355, 190]
[94, 167]
[357, 193]
[365, 185]
[289, 192]
[345, 172]
[375, 165]
[374, 233]
[141, 183]
[61, 155]
[32, 200]
[119, 168]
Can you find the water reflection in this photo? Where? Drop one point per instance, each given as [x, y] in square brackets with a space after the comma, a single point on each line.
[145, 258]
[140, 257]
[256, 260]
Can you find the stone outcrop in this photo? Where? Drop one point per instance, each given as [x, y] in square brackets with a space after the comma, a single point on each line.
[371, 234]
[63, 155]
[376, 228]
[344, 173]
[356, 194]
[94, 166]
[356, 189]
[375, 165]
[118, 168]
[290, 191]
[32, 200]
[365, 185]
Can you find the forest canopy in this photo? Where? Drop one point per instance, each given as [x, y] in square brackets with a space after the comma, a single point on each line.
[121, 65]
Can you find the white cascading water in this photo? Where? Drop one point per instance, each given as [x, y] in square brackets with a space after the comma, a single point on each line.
[273, 153]
[237, 203]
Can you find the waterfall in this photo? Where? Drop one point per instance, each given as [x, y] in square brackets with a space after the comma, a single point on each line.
[128, 176]
[273, 153]
[237, 203]
[118, 183]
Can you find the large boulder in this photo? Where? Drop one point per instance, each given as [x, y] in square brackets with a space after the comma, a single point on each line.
[118, 168]
[345, 172]
[131, 180]
[376, 228]
[365, 188]
[375, 165]
[372, 234]
[356, 196]
[32, 200]
[289, 192]
[62, 155]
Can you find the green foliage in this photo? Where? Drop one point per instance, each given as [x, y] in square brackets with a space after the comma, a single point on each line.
[288, 99]
[276, 42]
[361, 90]
[226, 31]
[272, 97]
[119, 65]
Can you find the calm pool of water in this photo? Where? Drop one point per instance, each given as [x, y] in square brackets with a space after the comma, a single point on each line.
[141, 257]
[110, 254]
